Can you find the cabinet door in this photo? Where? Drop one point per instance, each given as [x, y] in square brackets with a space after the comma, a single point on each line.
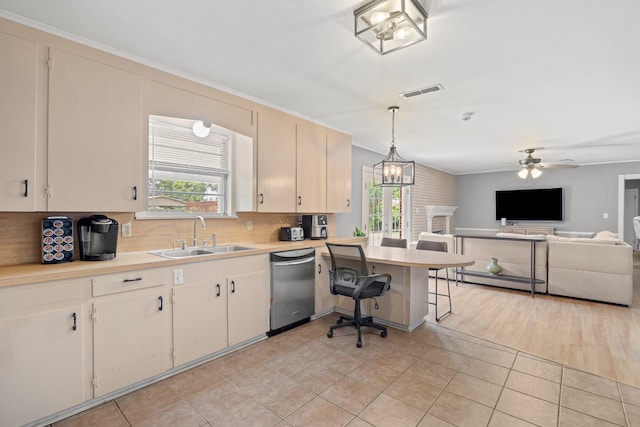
[94, 137]
[41, 365]
[311, 173]
[248, 306]
[130, 339]
[199, 320]
[394, 305]
[276, 163]
[18, 75]
[324, 299]
[338, 172]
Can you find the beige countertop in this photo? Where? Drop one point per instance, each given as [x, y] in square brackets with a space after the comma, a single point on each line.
[33, 273]
[413, 257]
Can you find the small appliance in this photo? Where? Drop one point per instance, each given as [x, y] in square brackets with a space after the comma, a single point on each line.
[315, 226]
[291, 234]
[98, 237]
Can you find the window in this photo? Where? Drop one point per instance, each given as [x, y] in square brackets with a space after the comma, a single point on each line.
[188, 173]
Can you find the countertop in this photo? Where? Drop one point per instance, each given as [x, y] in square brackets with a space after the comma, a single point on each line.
[33, 273]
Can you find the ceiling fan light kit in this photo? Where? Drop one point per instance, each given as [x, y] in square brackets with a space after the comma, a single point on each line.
[389, 25]
[393, 170]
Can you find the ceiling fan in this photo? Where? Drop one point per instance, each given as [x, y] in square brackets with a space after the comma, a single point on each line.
[531, 165]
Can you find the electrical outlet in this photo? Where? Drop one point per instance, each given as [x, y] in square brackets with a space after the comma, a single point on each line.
[126, 230]
[178, 277]
[249, 225]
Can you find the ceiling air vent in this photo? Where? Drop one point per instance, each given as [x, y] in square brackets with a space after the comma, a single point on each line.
[416, 92]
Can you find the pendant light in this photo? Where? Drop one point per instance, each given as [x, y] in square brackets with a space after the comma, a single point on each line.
[393, 170]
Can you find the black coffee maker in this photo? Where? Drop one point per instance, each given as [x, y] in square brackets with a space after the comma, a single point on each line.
[98, 238]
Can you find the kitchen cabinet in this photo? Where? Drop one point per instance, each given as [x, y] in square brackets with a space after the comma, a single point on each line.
[325, 301]
[199, 313]
[248, 306]
[276, 187]
[338, 172]
[131, 328]
[18, 86]
[44, 336]
[94, 136]
[311, 169]
[393, 305]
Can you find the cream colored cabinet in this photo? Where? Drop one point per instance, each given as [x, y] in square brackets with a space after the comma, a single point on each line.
[131, 328]
[18, 86]
[393, 305]
[199, 313]
[248, 306]
[311, 169]
[276, 162]
[94, 136]
[325, 301]
[338, 172]
[44, 341]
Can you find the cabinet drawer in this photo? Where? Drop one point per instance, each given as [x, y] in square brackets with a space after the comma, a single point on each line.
[127, 281]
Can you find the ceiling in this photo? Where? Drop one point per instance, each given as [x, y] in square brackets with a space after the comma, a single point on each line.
[563, 75]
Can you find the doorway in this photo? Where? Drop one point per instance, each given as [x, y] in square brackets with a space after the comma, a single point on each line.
[625, 208]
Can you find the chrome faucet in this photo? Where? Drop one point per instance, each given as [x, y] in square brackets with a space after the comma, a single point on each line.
[195, 222]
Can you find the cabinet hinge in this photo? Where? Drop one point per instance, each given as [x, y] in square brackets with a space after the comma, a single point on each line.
[94, 314]
[48, 190]
[94, 382]
[174, 354]
[50, 63]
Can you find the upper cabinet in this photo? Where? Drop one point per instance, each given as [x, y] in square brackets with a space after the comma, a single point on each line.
[338, 172]
[311, 169]
[18, 85]
[94, 136]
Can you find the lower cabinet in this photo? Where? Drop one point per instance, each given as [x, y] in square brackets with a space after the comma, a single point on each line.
[248, 302]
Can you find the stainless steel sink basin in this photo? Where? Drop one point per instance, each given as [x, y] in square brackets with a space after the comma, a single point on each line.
[192, 252]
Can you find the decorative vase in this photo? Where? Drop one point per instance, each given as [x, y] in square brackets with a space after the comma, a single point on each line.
[493, 267]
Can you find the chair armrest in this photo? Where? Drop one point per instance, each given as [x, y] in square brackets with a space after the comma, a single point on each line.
[367, 282]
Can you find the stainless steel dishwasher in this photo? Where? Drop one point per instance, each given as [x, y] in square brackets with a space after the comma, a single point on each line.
[292, 288]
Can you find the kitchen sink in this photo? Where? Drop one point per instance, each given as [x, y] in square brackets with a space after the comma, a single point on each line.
[192, 252]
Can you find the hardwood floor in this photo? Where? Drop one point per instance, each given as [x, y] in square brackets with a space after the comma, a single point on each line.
[602, 339]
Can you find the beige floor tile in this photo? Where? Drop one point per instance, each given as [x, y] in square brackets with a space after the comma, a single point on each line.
[500, 419]
[528, 408]
[246, 414]
[391, 358]
[179, 414]
[287, 363]
[387, 411]
[538, 367]
[592, 404]
[475, 389]
[216, 400]
[350, 394]
[446, 358]
[633, 414]
[460, 335]
[232, 364]
[485, 371]
[457, 345]
[460, 411]
[358, 422]
[192, 381]
[106, 415]
[414, 392]
[494, 355]
[496, 346]
[534, 386]
[317, 377]
[571, 418]
[285, 397]
[630, 394]
[377, 377]
[411, 346]
[341, 362]
[591, 383]
[147, 401]
[257, 378]
[319, 412]
[425, 371]
[430, 421]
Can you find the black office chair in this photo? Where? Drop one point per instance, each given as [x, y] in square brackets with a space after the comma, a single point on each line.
[349, 276]
[440, 247]
[393, 242]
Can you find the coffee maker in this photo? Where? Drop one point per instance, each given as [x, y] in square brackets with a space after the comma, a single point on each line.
[315, 226]
[98, 238]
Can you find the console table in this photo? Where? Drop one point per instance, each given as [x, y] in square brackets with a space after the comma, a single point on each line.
[531, 279]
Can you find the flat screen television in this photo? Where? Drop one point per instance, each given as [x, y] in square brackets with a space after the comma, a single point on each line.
[540, 204]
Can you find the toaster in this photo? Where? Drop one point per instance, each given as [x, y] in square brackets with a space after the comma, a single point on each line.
[291, 234]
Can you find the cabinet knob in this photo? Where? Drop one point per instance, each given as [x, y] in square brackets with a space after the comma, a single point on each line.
[135, 192]
[218, 289]
[26, 188]
[233, 286]
[261, 198]
[161, 302]
[299, 200]
[75, 321]
[348, 203]
[319, 268]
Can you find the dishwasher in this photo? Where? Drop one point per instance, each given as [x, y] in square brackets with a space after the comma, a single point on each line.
[292, 288]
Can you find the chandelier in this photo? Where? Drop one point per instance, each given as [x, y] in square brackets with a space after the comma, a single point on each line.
[388, 25]
[393, 170]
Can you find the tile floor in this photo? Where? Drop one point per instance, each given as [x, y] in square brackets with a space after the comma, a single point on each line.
[431, 376]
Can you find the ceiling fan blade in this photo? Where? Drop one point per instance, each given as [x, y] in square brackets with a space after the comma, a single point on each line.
[558, 166]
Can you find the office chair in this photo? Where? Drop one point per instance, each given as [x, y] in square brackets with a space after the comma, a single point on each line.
[349, 276]
[636, 229]
[396, 243]
[440, 247]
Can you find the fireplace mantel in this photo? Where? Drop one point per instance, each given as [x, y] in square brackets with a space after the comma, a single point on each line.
[436, 210]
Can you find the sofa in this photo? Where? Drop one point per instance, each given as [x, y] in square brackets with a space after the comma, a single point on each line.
[598, 268]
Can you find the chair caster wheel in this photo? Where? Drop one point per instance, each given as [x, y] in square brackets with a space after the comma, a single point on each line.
[359, 344]
[383, 334]
[339, 321]
[330, 334]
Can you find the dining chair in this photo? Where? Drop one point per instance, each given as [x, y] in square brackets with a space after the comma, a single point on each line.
[393, 242]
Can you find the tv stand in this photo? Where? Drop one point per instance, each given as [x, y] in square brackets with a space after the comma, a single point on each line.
[527, 229]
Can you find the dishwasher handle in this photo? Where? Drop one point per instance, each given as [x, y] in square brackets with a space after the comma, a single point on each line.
[296, 262]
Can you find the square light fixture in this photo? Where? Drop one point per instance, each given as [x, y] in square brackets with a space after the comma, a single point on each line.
[388, 25]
